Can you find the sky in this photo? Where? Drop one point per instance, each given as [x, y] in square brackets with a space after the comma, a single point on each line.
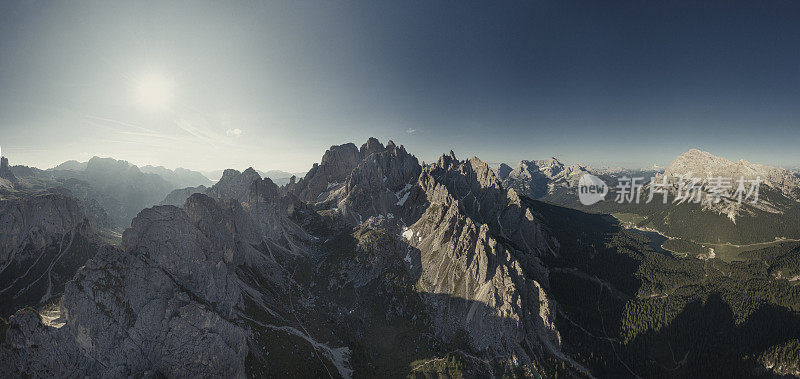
[272, 85]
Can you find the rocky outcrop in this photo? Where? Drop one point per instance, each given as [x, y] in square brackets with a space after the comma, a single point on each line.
[91, 201]
[6, 175]
[44, 239]
[482, 198]
[178, 197]
[121, 316]
[381, 183]
[234, 184]
[330, 174]
[503, 170]
[21, 171]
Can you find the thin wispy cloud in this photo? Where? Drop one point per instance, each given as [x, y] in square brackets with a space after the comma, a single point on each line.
[236, 132]
[206, 136]
[411, 131]
[117, 124]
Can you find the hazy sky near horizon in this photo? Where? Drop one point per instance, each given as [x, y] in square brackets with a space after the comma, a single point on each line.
[211, 85]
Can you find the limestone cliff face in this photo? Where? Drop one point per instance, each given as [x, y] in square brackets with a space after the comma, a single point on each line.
[482, 198]
[490, 298]
[478, 245]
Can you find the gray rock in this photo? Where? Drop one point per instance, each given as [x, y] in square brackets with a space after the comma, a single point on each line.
[233, 184]
[5, 171]
[44, 239]
[178, 197]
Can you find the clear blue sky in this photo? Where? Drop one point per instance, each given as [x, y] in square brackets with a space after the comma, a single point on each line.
[236, 84]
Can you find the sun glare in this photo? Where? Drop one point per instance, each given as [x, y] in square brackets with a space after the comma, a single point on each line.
[154, 92]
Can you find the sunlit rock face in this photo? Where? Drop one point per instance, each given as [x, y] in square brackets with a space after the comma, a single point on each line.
[780, 188]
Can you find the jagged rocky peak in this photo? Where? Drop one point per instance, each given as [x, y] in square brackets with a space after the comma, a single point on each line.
[381, 184]
[504, 307]
[209, 289]
[71, 165]
[702, 164]
[467, 176]
[549, 168]
[374, 174]
[371, 146]
[481, 197]
[5, 171]
[178, 197]
[106, 165]
[263, 189]
[234, 184]
[503, 170]
[338, 161]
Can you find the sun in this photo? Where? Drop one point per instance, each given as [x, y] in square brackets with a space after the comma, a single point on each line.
[154, 92]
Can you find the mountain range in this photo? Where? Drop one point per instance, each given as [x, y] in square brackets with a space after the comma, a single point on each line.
[374, 264]
[277, 176]
[773, 217]
[110, 191]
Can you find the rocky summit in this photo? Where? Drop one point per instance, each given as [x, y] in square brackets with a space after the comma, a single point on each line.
[7, 178]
